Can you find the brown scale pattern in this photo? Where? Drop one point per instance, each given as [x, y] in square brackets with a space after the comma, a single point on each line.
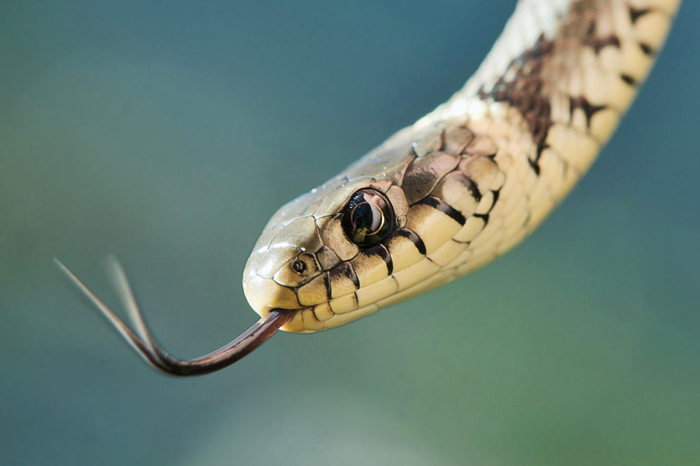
[524, 91]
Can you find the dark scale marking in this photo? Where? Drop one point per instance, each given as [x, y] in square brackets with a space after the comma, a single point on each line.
[535, 165]
[484, 217]
[387, 259]
[381, 251]
[329, 293]
[636, 13]
[443, 207]
[347, 269]
[354, 297]
[525, 91]
[599, 43]
[591, 29]
[474, 190]
[585, 105]
[496, 195]
[406, 233]
[442, 139]
[646, 49]
[628, 79]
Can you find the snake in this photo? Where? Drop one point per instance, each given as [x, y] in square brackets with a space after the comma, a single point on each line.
[450, 193]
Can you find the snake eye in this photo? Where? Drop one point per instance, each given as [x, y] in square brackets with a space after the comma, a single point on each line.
[368, 218]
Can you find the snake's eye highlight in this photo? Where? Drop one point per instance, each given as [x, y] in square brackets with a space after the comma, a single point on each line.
[368, 218]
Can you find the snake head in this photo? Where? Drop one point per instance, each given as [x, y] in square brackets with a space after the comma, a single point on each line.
[318, 250]
[358, 242]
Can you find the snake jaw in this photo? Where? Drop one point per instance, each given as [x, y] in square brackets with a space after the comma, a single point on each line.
[274, 277]
[264, 294]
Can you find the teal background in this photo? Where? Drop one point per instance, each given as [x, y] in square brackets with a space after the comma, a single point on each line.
[167, 133]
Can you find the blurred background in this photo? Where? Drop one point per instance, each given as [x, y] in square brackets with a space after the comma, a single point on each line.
[167, 133]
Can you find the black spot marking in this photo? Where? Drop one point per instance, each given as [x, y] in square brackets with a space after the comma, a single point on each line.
[406, 233]
[535, 166]
[525, 92]
[591, 28]
[599, 43]
[588, 109]
[445, 208]
[496, 195]
[636, 13]
[347, 269]
[484, 217]
[381, 251]
[442, 140]
[473, 190]
[628, 79]
[329, 294]
[646, 49]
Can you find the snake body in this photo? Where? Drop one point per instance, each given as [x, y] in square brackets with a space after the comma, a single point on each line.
[473, 178]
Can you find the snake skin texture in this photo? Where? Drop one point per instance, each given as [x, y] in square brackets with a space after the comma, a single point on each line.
[473, 178]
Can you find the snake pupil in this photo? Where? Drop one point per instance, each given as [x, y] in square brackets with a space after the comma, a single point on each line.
[368, 218]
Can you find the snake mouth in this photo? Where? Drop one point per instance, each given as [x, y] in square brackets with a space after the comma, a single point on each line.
[264, 295]
[282, 310]
[296, 319]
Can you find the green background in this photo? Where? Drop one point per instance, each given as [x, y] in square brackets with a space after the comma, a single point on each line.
[167, 133]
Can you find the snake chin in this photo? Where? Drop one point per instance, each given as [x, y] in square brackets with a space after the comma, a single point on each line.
[266, 294]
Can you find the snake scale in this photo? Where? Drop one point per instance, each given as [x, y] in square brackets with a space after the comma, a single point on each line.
[470, 180]
[460, 187]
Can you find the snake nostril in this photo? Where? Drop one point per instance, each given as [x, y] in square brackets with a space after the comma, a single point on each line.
[299, 266]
